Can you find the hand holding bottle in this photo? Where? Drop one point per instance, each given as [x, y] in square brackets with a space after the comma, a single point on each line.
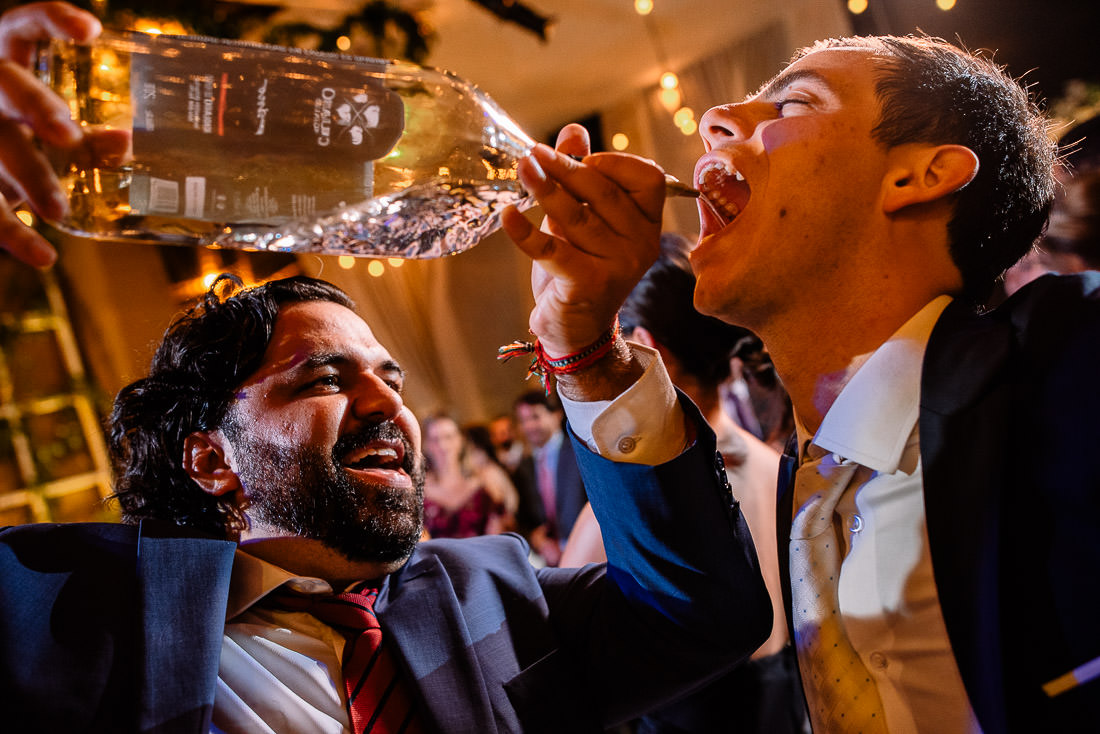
[29, 110]
[601, 233]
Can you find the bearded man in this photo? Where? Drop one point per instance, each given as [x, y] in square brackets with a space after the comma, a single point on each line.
[267, 467]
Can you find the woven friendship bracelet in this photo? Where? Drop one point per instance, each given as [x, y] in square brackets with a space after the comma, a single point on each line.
[543, 366]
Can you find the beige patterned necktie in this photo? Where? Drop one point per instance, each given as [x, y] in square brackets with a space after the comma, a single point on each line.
[840, 693]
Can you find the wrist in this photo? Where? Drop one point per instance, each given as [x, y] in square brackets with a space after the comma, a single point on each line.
[576, 368]
[604, 379]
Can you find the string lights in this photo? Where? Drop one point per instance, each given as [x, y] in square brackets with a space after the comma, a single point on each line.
[377, 268]
[855, 7]
[668, 86]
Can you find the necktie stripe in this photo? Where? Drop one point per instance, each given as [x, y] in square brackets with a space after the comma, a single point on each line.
[381, 705]
[406, 723]
[359, 677]
[378, 701]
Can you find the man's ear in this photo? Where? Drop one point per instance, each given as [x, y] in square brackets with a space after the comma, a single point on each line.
[921, 174]
[206, 459]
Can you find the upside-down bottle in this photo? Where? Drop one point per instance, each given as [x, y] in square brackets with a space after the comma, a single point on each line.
[211, 142]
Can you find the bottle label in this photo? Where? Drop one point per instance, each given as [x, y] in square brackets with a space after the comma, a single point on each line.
[240, 132]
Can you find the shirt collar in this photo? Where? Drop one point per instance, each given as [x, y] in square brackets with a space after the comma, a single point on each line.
[873, 416]
[252, 579]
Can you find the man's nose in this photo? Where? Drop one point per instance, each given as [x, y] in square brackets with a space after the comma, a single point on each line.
[374, 400]
[731, 122]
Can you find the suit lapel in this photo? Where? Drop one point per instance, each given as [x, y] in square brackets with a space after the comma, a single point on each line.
[964, 418]
[184, 584]
[788, 463]
[420, 612]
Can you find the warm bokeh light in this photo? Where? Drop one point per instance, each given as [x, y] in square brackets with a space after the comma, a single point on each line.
[343, 43]
[669, 80]
[347, 262]
[208, 280]
[25, 217]
[689, 127]
[670, 99]
[157, 27]
[683, 115]
[643, 7]
[619, 141]
[945, 4]
[376, 268]
[395, 262]
[857, 6]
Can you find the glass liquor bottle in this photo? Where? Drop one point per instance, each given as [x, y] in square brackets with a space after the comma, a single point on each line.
[205, 141]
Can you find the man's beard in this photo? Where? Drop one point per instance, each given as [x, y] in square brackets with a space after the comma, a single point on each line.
[309, 494]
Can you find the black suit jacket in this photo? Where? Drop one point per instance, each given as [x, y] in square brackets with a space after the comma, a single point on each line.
[1009, 430]
[113, 628]
[570, 494]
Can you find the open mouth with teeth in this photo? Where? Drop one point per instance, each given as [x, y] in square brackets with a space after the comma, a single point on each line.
[386, 456]
[725, 192]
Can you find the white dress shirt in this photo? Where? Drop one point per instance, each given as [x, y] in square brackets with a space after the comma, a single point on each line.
[279, 671]
[887, 592]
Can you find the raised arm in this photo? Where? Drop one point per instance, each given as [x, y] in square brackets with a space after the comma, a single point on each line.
[601, 233]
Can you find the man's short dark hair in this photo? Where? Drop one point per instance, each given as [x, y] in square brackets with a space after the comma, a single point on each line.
[204, 357]
[539, 397]
[663, 303]
[931, 91]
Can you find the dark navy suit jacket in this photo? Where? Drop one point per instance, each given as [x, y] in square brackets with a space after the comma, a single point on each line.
[1009, 437]
[115, 628]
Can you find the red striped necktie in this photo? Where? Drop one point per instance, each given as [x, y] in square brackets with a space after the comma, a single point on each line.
[378, 700]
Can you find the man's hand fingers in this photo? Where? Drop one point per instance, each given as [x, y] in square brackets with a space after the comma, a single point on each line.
[24, 98]
[23, 27]
[23, 242]
[28, 108]
[27, 173]
[592, 204]
[641, 179]
[573, 140]
[566, 216]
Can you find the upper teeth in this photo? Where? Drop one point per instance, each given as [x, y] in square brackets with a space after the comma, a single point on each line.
[361, 455]
[721, 167]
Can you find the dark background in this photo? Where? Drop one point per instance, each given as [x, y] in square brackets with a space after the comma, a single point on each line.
[1047, 42]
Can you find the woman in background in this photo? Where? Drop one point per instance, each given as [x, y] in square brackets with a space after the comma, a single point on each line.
[463, 497]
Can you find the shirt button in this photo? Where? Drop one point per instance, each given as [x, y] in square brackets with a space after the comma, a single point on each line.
[627, 444]
[855, 524]
[878, 660]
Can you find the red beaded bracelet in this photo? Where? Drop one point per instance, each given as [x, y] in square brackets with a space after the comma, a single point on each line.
[543, 366]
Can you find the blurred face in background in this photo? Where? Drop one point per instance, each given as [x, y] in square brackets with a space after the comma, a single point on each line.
[443, 441]
[502, 432]
[537, 423]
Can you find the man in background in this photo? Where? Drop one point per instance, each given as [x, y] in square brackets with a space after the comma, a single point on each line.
[554, 465]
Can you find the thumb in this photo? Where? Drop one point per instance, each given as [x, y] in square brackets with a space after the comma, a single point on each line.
[573, 140]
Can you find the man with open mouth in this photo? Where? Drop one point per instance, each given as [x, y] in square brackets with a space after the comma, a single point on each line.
[268, 575]
[938, 514]
[267, 469]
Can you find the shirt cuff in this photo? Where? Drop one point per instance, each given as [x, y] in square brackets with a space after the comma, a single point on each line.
[644, 425]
